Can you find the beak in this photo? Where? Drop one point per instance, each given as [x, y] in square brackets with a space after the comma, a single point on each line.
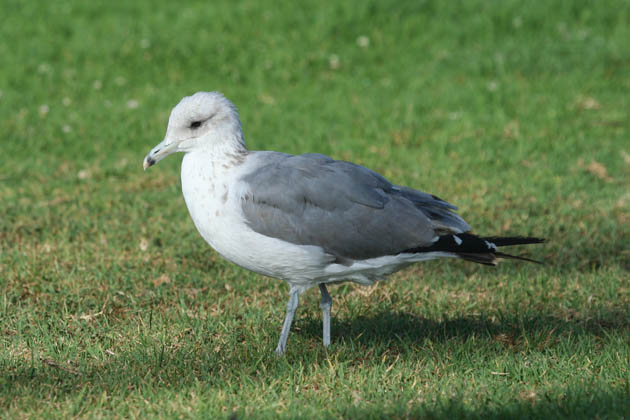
[159, 152]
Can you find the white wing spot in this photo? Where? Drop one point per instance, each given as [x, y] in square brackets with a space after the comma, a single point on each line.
[490, 245]
[458, 240]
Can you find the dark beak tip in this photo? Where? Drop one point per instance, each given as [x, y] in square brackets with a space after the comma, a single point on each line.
[148, 162]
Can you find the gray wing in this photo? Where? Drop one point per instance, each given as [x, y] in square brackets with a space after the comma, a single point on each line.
[348, 210]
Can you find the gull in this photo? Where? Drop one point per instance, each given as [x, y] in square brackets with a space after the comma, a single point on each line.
[307, 219]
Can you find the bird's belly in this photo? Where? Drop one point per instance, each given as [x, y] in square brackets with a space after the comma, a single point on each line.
[217, 216]
[259, 253]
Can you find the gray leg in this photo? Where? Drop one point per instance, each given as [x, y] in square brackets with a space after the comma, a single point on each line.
[292, 305]
[326, 305]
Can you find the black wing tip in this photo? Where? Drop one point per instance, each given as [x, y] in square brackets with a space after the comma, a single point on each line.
[517, 257]
[492, 258]
[482, 250]
[468, 243]
[485, 259]
[514, 240]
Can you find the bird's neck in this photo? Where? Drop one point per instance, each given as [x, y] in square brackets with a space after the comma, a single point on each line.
[224, 146]
[215, 159]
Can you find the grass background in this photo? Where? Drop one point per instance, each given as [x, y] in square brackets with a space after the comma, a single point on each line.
[112, 306]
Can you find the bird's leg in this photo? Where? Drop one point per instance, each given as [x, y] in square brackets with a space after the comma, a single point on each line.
[292, 305]
[325, 305]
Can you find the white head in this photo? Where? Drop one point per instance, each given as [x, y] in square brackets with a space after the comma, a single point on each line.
[205, 120]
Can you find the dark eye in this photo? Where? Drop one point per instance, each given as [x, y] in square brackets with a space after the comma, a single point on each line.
[195, 124]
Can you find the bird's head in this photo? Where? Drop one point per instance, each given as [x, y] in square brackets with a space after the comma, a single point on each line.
[204, 120]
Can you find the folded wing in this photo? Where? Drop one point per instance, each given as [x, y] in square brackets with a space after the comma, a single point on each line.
[348, 210]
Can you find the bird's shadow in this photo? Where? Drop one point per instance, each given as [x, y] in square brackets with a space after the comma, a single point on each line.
[355, 338]
[399, 330]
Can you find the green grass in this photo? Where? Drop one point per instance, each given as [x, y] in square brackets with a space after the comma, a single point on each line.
[112, 306]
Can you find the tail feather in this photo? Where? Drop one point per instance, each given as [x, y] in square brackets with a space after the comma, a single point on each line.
[516, 257]
[485, 259]
[513, 240]
[482, 250]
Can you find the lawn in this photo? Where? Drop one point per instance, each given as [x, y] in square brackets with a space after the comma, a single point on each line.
[112, 306]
